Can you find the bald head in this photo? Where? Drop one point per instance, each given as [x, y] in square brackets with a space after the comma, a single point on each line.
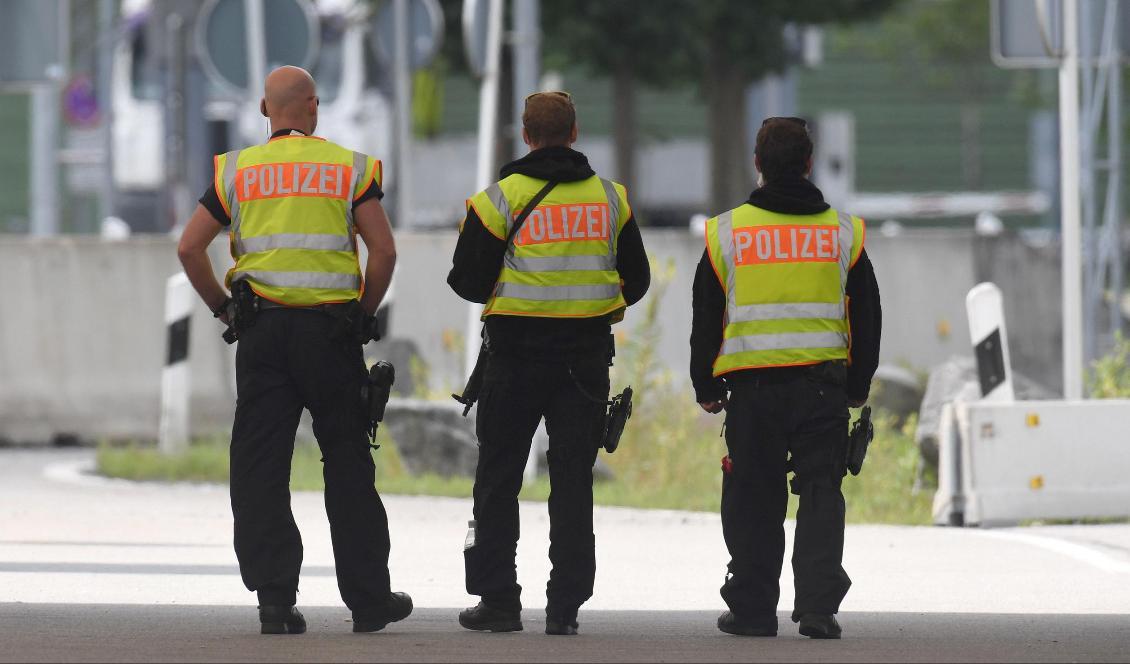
[290, 99]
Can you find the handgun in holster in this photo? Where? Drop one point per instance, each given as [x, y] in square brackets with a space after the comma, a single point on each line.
[619, 412]
[242, 309]
[474, 384]
[858, 440]
[352, 324]
[375, 393]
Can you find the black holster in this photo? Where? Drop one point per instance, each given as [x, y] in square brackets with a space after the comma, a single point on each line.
[242, 310]
[352, 324]
[858, 441]
[619, 411]
[375, 393]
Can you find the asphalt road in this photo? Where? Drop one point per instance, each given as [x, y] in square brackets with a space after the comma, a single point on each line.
[134, 633]
[98, 570]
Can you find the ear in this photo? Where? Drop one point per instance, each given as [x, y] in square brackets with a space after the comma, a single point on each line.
[808, 167]
[526, 137]
[263, 107]
[573, 134]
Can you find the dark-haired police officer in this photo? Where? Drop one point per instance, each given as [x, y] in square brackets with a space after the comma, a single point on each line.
[576, 263]
[787, 318]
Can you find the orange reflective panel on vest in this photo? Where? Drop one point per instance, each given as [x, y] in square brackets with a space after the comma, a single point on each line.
[293, 179]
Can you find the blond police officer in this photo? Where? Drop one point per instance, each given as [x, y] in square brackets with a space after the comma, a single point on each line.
[294, 207]
[551, 293]
[786, 317]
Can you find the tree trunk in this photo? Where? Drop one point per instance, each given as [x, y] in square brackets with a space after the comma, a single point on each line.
[730, 161]
[971, 146]
[624, 121]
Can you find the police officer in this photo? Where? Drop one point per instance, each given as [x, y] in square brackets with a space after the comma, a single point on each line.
[786, 316]
[551, 293]
[293, 207]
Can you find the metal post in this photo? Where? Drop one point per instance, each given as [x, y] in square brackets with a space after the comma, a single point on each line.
[106, 42]
[1088, 133]
[527, 59]
[255, 22]
[43, 184]
[485, 172]
[402, 83]
[1069, 178]
[1114, 158]
[179, 200]
[44, 161]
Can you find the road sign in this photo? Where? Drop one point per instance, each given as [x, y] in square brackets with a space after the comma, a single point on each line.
[425, 23]
[1029, 33]
[30, 35]
[291, 34]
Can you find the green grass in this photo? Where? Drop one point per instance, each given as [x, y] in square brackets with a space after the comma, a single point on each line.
[662, 475]
[669, 457]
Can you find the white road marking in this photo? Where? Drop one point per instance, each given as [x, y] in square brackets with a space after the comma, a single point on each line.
[1074, 550]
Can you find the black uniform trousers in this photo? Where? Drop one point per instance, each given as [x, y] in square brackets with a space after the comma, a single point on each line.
[516, 395]
[285, 362]
[802, 411]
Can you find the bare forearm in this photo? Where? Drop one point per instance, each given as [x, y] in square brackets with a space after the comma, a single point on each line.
[199, 270]
[378, 276]
[192, 250]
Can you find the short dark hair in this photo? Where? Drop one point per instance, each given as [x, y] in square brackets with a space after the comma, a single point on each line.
[549, 117]
[783, 148]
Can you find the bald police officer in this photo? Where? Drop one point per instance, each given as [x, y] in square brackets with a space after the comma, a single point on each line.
[293, 207]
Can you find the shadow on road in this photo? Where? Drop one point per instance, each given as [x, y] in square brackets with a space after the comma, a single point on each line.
[138, 633]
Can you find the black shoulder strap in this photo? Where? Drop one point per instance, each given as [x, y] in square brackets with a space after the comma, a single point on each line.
[526, 212]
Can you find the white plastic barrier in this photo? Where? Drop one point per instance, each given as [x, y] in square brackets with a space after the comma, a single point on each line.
[1035, 460]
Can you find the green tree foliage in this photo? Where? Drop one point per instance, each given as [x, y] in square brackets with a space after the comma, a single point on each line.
[724, 45]
[630, 41]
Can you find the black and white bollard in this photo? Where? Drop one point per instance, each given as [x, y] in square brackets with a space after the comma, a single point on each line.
[172, 436]
[984, 305]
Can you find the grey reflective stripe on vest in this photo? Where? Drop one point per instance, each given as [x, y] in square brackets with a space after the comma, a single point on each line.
[498, 199]
[229, 190]
[558, 293]
[786, 341]
[560, 263]
[847, 240]
[613, 213]
[726, 242]
[752, 312]
[360, 162]
[329, 280]
[325, 242]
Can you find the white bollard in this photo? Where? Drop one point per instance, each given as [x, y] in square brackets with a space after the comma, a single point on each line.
[984, 305]
[172, 436]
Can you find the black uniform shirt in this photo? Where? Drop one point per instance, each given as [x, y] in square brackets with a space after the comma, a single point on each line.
[211, 198]
[478, 261]
[865, 317]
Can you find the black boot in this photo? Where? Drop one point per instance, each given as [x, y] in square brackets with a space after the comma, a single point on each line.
[731, 624]
[397, 607]
[820, 626]
[280, 620]
[561, 622]
[483, 618]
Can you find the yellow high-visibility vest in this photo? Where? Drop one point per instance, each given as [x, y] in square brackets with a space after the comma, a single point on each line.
[291, 207]
[785, 278]
[563, 260]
